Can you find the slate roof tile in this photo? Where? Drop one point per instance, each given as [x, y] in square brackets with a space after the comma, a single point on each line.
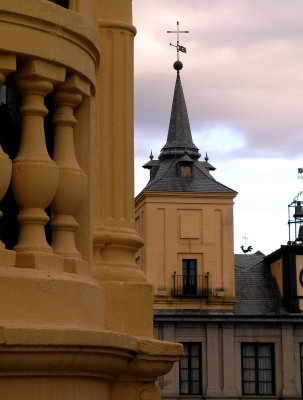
[256, 289]
[167, 179]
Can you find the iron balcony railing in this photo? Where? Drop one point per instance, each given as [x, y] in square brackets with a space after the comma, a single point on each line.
[190, 286]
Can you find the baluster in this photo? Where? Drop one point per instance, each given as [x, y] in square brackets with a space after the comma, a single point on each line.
[72, 179]
[7, 257]
[35, 174]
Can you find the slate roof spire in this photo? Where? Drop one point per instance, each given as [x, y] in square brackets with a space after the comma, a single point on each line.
[179, 139]
[178, 168]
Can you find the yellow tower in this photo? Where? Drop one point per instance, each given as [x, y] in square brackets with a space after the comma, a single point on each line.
[186, 219]
[76, 310]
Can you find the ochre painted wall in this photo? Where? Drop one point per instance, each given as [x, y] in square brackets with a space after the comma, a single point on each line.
[178, 226]
[276, 269]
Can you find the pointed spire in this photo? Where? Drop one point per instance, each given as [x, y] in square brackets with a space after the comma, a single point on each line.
[179, 139]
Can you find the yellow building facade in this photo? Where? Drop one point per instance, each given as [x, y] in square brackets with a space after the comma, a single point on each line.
[76, 310]
[189, 227]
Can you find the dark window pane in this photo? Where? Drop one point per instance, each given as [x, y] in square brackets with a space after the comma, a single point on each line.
[195, 388]
[265, 376]
[249, 375]
[184, 387]
[195, 362]
[183, 375]
[265, 388]
[184, 362]
[264, 351]
[257, 369]
[264, 363]
[189, 276]
[249, 362]
[190, 369]
[249, 388]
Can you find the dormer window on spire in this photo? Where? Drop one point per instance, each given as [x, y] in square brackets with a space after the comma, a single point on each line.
[185, 170]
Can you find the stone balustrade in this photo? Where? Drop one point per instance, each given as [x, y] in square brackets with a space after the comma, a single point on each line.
[7, 66]
[40, 182]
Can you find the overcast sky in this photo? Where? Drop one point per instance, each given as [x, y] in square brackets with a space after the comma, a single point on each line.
[243, 84]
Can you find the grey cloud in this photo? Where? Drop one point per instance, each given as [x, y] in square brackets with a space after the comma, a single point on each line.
[242, 70]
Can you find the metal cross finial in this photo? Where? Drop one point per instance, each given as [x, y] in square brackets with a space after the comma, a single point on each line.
[245, 238]
[178, 47]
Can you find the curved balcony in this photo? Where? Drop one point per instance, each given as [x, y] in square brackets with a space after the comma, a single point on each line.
[42, 29]
[48, 61]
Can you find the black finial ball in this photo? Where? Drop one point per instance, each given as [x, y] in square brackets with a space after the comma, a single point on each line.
[178, 65]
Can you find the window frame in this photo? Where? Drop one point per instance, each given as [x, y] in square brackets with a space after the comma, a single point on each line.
[189, 279]
[189, 368]
[256, 357]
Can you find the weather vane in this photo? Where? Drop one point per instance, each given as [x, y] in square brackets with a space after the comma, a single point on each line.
[244, 249]
[178, 46]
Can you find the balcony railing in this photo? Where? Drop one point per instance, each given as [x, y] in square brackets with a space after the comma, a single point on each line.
[185, 286]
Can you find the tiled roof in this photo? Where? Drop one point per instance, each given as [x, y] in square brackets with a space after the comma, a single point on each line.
[256, 290]
[179, 139]
[167, 179]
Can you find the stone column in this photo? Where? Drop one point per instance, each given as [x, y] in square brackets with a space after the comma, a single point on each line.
[289, 388]
[130, 298]
[35, 174]
[213, 360]
[7, 65]
[116, 239]
[72, 179]
[228, 359]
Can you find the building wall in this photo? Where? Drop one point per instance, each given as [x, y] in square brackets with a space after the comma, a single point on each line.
[221, 341]
[187, 226]
[277, 272]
